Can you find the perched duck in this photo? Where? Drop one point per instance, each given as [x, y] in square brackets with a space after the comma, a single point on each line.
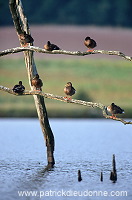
[37, 82]
[69, 90]
[114, 110]
[51, 47]
[89, 43]
[19, 88]
[25, 39]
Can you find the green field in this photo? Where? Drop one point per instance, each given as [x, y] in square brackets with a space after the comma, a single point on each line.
[98, 80]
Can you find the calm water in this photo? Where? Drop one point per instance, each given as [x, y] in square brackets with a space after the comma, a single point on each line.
[87, 145]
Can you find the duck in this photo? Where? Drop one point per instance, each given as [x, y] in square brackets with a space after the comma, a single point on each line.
[37, 82]
[51, 47]
[90, 44]
[114, 110]
[19, 88]
[69, 90]
[25, 39]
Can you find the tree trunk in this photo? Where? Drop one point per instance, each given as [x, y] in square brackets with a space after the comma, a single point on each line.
[21, 24]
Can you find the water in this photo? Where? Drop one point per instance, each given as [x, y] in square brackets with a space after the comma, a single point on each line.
[84, 144]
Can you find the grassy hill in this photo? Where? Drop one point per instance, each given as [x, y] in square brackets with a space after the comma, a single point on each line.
[103, 81]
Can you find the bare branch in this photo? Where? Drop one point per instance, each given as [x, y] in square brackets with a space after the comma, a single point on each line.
[61, 98]
[73, 53]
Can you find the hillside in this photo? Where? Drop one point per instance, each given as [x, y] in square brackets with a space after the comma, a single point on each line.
[97, 78]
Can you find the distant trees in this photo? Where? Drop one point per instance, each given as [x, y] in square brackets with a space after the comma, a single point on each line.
[83, 12]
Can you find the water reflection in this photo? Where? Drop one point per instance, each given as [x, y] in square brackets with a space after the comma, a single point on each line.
[88, 147]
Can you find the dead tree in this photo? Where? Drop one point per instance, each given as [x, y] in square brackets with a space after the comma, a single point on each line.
[21, 25]
[64, 52]
[113, 174]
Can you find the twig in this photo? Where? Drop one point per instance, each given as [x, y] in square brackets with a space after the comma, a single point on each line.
[61, 98]
[73, 53]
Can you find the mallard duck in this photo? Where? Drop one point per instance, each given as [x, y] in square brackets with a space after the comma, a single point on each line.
[114, 110]
[37, 82]
[18, 88]
[25, 39]
[89, 43]
[69, 90]
[51, 47]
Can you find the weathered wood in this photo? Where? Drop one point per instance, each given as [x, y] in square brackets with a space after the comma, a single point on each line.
[21, 24]
[73, 101]
[101, 176]
[114, 163]
[113, 174]
[64, 52]
[16, 20]
[79, 176]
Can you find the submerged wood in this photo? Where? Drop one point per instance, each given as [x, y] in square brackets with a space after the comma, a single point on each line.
[79, 176]
[101, 176]
[21, 24]
[113, 174]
